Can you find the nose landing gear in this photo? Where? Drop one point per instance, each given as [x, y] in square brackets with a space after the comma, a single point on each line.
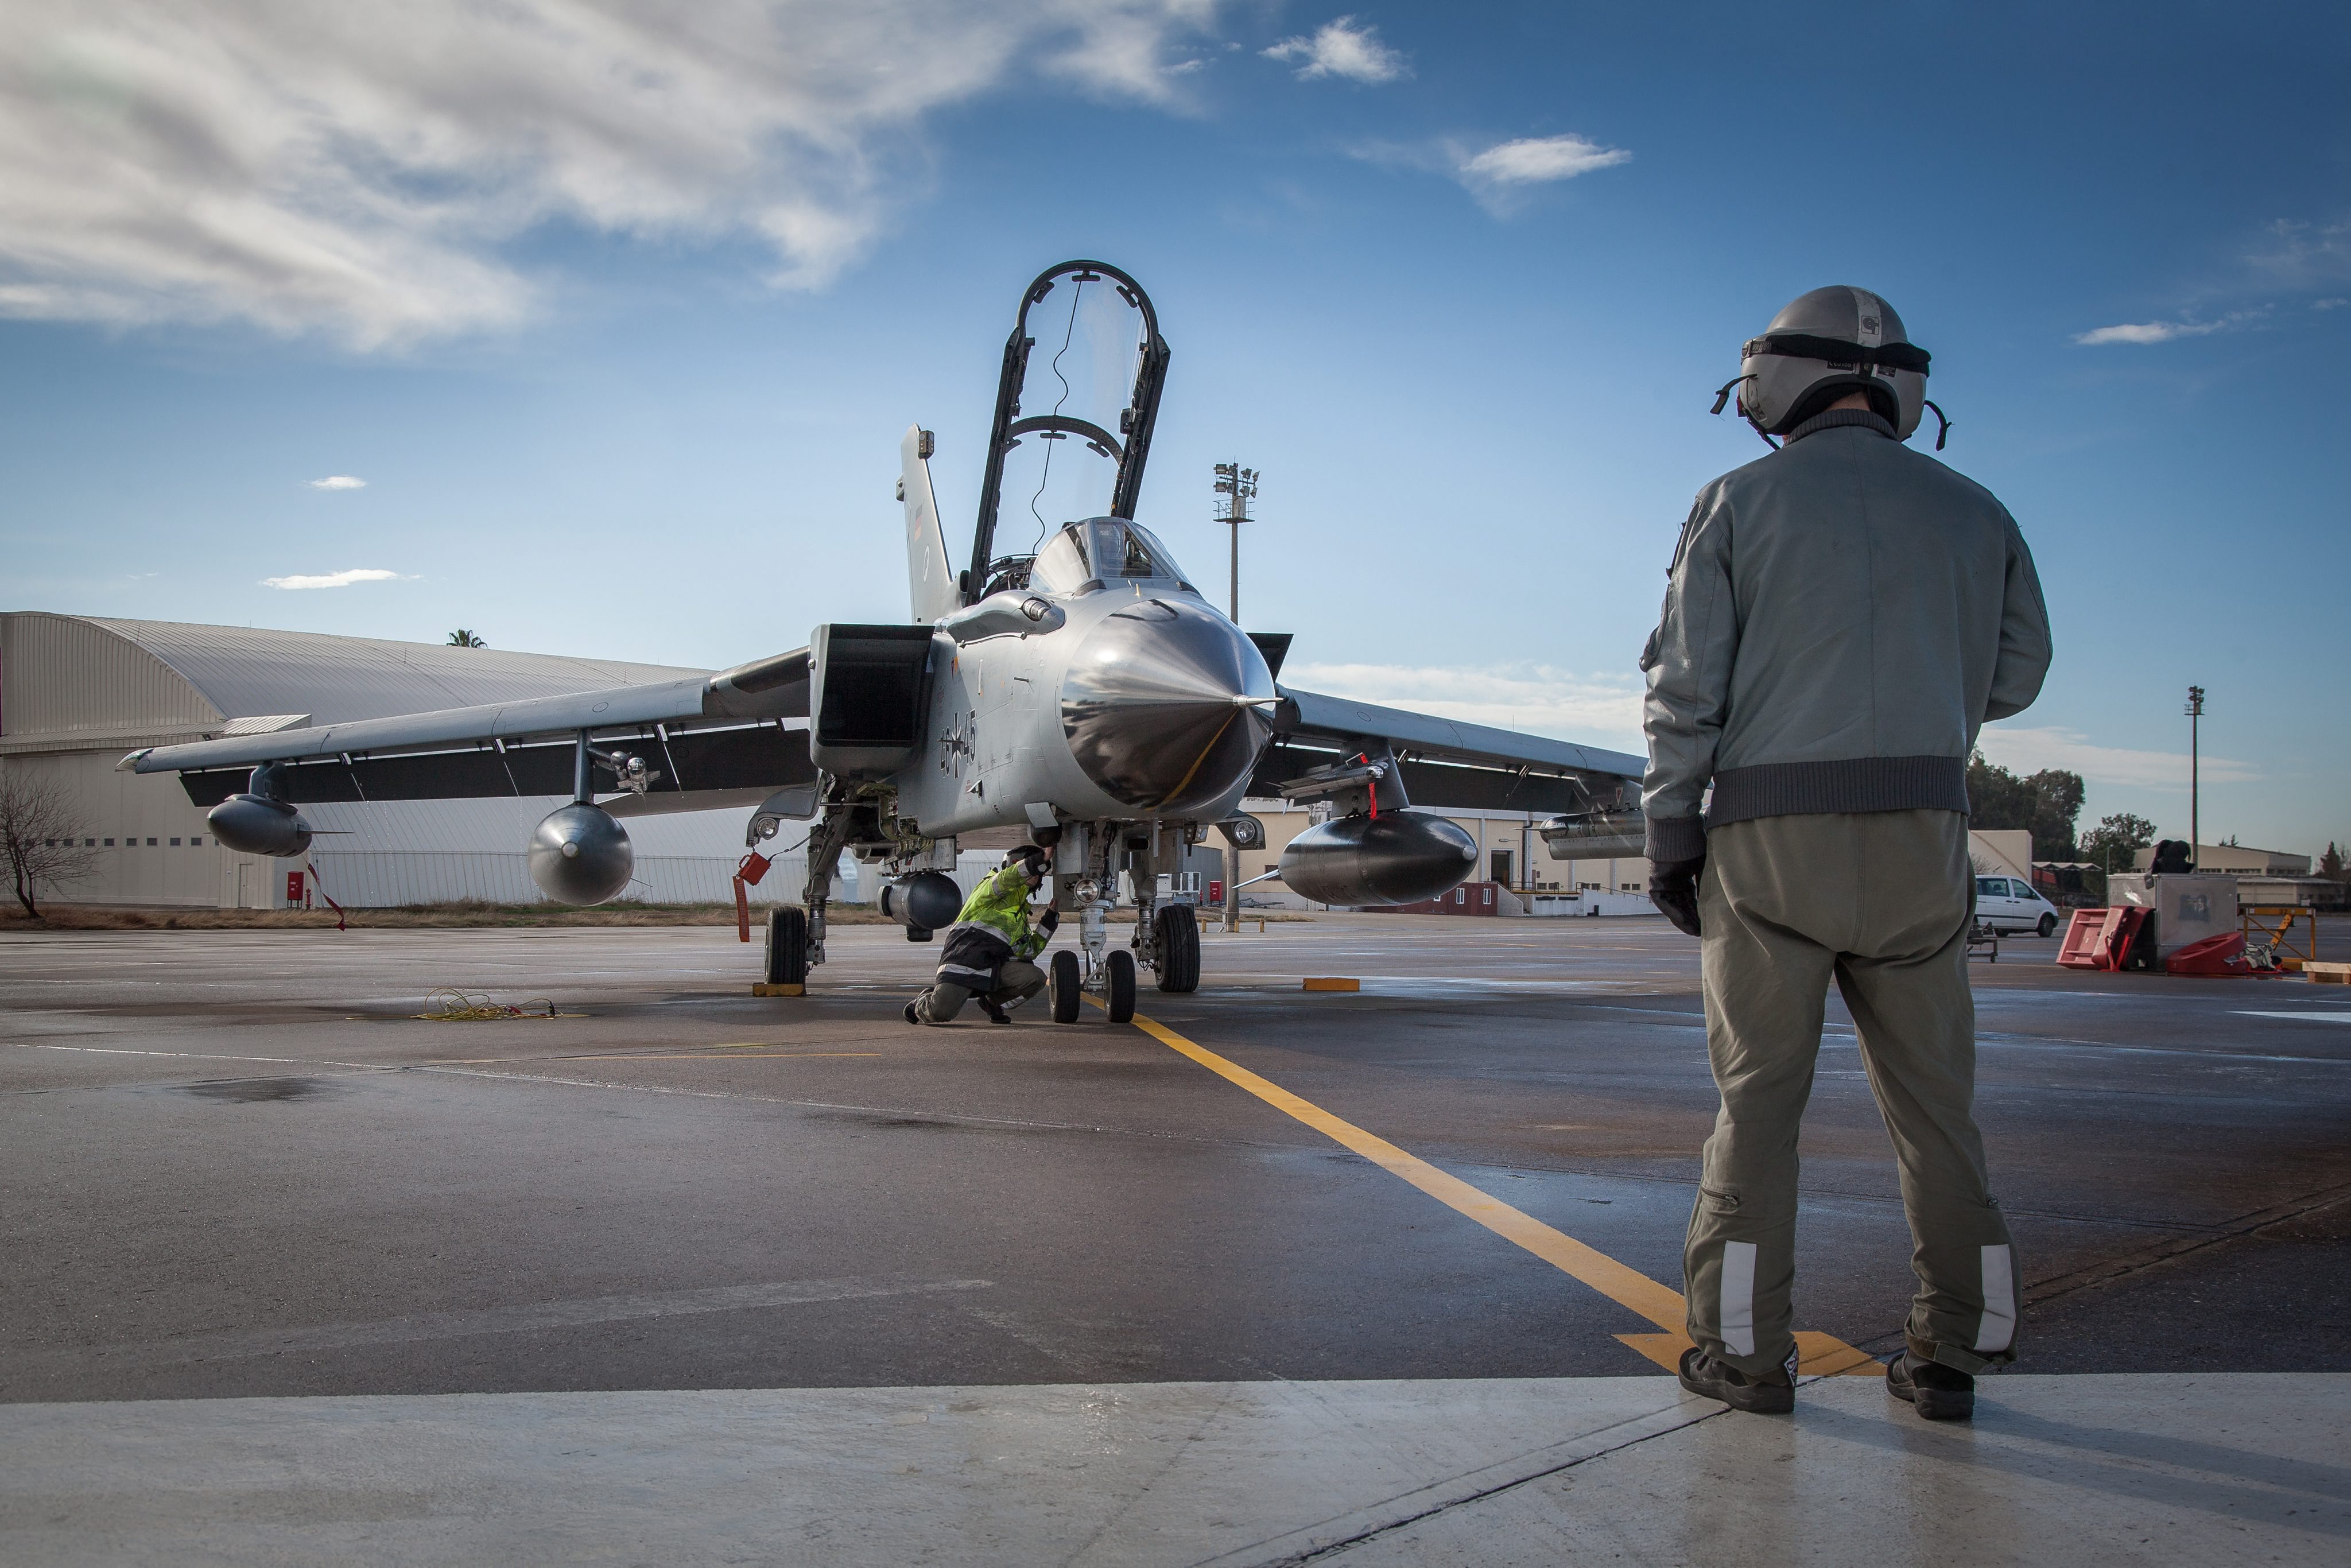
[1166, 936]
[1108, 971]
[1066, 981]
[1118, 987]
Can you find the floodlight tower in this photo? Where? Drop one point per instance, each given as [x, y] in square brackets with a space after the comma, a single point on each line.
[1236, 487]
[2195, 716]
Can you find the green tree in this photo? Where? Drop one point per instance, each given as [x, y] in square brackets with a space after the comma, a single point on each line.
[2331, 863]
[2045, 804]
[461, 638]
[2117, 839]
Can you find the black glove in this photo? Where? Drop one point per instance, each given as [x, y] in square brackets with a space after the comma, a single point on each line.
[1052, 922]
[1672, 888]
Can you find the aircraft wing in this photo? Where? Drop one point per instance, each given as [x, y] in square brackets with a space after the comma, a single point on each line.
[1447, 764]
[708, 741]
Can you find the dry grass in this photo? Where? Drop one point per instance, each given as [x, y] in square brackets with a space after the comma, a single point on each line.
[461, 915]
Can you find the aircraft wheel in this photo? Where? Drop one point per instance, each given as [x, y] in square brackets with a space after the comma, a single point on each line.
[1179, 948]
[2048, 924]
[786, 962]
[1065, 981]
[1119, 969]
[919, 933]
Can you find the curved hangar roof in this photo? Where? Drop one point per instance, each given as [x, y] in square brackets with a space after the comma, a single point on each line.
[69, 682]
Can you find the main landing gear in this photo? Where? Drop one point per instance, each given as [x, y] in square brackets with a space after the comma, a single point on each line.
[796, 933]
[787, 946]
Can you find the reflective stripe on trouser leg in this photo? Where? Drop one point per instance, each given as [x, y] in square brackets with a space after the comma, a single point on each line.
[1999, 1328]
[1017, 982]
[1738, 1269]
[1735, 1316]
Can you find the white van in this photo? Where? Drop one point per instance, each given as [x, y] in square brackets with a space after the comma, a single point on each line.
[2009, 906]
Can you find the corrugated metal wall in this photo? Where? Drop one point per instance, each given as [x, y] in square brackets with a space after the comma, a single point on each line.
[384, 878]
[338, 679]
[376, 879]
[65, 677]
[389, 878]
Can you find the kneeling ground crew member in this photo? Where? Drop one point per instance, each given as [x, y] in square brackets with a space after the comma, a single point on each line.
[1840, 618]
[987, 949]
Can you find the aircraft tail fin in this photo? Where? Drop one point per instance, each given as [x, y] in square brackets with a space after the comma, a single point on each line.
[930, 580]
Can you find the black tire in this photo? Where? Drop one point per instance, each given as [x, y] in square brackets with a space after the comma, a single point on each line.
[787, 946]
[918, 933]
[2048, 924]
[1065, 981]
[1119, 970]
[1179, 948]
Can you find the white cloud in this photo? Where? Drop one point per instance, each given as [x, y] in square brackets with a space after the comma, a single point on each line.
[1534, 160]
[333, 578]
[2028, 751]
[337, 482]
[1538, 698]
[356, 170]
[1343, 48]
[2147, 333]
[1502, 175]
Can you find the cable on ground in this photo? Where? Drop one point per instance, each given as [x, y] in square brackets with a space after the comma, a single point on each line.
[449, 1005]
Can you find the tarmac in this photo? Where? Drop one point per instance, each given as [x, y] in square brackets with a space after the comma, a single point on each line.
[683, 1276]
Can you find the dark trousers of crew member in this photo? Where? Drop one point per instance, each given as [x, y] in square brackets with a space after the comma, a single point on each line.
[1880, 902]
[1016, 981]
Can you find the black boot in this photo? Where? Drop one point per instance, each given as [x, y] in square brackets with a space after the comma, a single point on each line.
[911, 1015]
[1937, 1392]
[994, 1011]
[1765, 1395]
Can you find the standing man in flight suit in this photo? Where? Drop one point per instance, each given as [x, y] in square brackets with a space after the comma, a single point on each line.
[1840, 618]
[987, 951]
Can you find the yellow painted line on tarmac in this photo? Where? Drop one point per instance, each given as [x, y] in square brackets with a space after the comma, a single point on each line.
[1818, 1354]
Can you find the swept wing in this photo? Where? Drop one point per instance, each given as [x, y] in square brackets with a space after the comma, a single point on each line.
[1446, 764]
[717, 741]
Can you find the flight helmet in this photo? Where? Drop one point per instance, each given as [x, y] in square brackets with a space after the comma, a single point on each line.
[1821, 346]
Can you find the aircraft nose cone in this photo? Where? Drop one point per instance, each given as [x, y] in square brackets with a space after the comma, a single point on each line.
[1156, 705]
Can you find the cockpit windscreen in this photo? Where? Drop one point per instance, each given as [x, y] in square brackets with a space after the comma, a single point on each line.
[1106, 550]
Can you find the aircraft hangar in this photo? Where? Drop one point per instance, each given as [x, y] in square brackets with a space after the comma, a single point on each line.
[78, 692]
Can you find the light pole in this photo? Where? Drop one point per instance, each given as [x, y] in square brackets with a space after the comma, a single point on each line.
[1236, 488]
[2195, 832]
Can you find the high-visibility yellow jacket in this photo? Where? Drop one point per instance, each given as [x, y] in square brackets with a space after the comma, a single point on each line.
[993, 928]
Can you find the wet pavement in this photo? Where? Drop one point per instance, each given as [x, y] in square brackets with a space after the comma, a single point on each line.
[239, 1169]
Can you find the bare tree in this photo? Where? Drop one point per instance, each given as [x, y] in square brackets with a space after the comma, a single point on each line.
[41, 833]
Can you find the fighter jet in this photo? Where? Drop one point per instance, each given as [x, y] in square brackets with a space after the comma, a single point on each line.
[1077, 691]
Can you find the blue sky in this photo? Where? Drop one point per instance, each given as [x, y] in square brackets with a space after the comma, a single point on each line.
[619, 315]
